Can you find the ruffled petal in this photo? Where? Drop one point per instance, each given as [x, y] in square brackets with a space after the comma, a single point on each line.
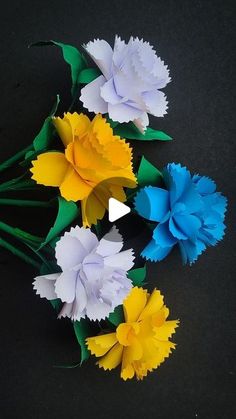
[155, 252]
[123, 260]
[134, 304]
[100, 345]
[163, 236]
[69, 252]
[101, 53]
[50, 168]
[154, 304]
[112, 359]
[45, 286]
[91, 96]
[123, 112]
[73, 187]
[152, 203]
[156, 103]
[65, 286]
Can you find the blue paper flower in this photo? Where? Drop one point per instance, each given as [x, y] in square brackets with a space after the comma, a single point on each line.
[190, 213]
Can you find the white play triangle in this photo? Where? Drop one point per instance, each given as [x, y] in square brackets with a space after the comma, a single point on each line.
[117, 209]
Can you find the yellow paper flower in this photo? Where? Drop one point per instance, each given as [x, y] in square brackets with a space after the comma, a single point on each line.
[140, 344]
[94, 157]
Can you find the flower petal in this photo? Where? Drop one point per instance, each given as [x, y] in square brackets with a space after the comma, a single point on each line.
[156, 102]
[166, 330]
[152, 203]
[134, 304]
[100, 345]
[86, 237]
[45, 286]
[154, 304]
[50, 168]
[101, 53]
[112, 359]
[65, 286]
[122, 112]
[71, 124]
[155, 252]
[91, 96]
[123, 260]
[109, 94]
[69, 252]
[74, 188]
[162, 235]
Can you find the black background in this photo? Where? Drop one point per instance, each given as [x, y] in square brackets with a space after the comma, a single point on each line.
[195, 38]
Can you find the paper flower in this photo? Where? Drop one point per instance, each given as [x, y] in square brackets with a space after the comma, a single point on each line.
[93, 280]
[140, 344]
[92, 155]
[190, 213]
[129, 87]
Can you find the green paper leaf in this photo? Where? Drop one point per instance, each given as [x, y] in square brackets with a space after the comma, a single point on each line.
[138, 275]
[82, 331]
[148, 174]
[67, 212]
[131, 132]
[88, 74]
[72, 56]
[117, 316]
[42, 140]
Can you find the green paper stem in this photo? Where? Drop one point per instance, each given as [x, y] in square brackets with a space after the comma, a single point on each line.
[25, 203]
[20, 234]
[14, 159]
[19, 253]
[14, 185]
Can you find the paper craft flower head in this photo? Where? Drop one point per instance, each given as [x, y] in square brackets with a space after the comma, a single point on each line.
[141, 343]
[129, 87]
[93, 280]
[190, 213]
[92, 155]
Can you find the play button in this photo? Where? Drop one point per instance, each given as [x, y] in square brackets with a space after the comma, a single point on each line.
[116, 210]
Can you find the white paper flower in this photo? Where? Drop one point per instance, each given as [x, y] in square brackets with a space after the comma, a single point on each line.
[93, 280]
[128, 88]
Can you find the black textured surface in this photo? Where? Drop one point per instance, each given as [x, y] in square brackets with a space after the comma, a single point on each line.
[195, 38]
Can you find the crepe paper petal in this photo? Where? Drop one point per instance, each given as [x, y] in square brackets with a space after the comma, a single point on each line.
[88, 75]
[73, 188]
[123, 112]
[82, 331]
[165, 331]
[65, 286]
[101, 52]
[69, 252]
[86, 237]
[94, 280]
[111, 243]
[45, 286]
[153, 203]
[154, 304]
[67, 213]
[189, 225]
[99, 345]
[132, 75]
[123, 260]
[156, 103]
[130, 132]
[91, 98]
[50, 168]
[154, 252]
[70, 123]
[134, 304]
[72, 57]
[112, 359]
[148, 174]
[138, 276]
[141, 342]
[190, 212]
[117, 316]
